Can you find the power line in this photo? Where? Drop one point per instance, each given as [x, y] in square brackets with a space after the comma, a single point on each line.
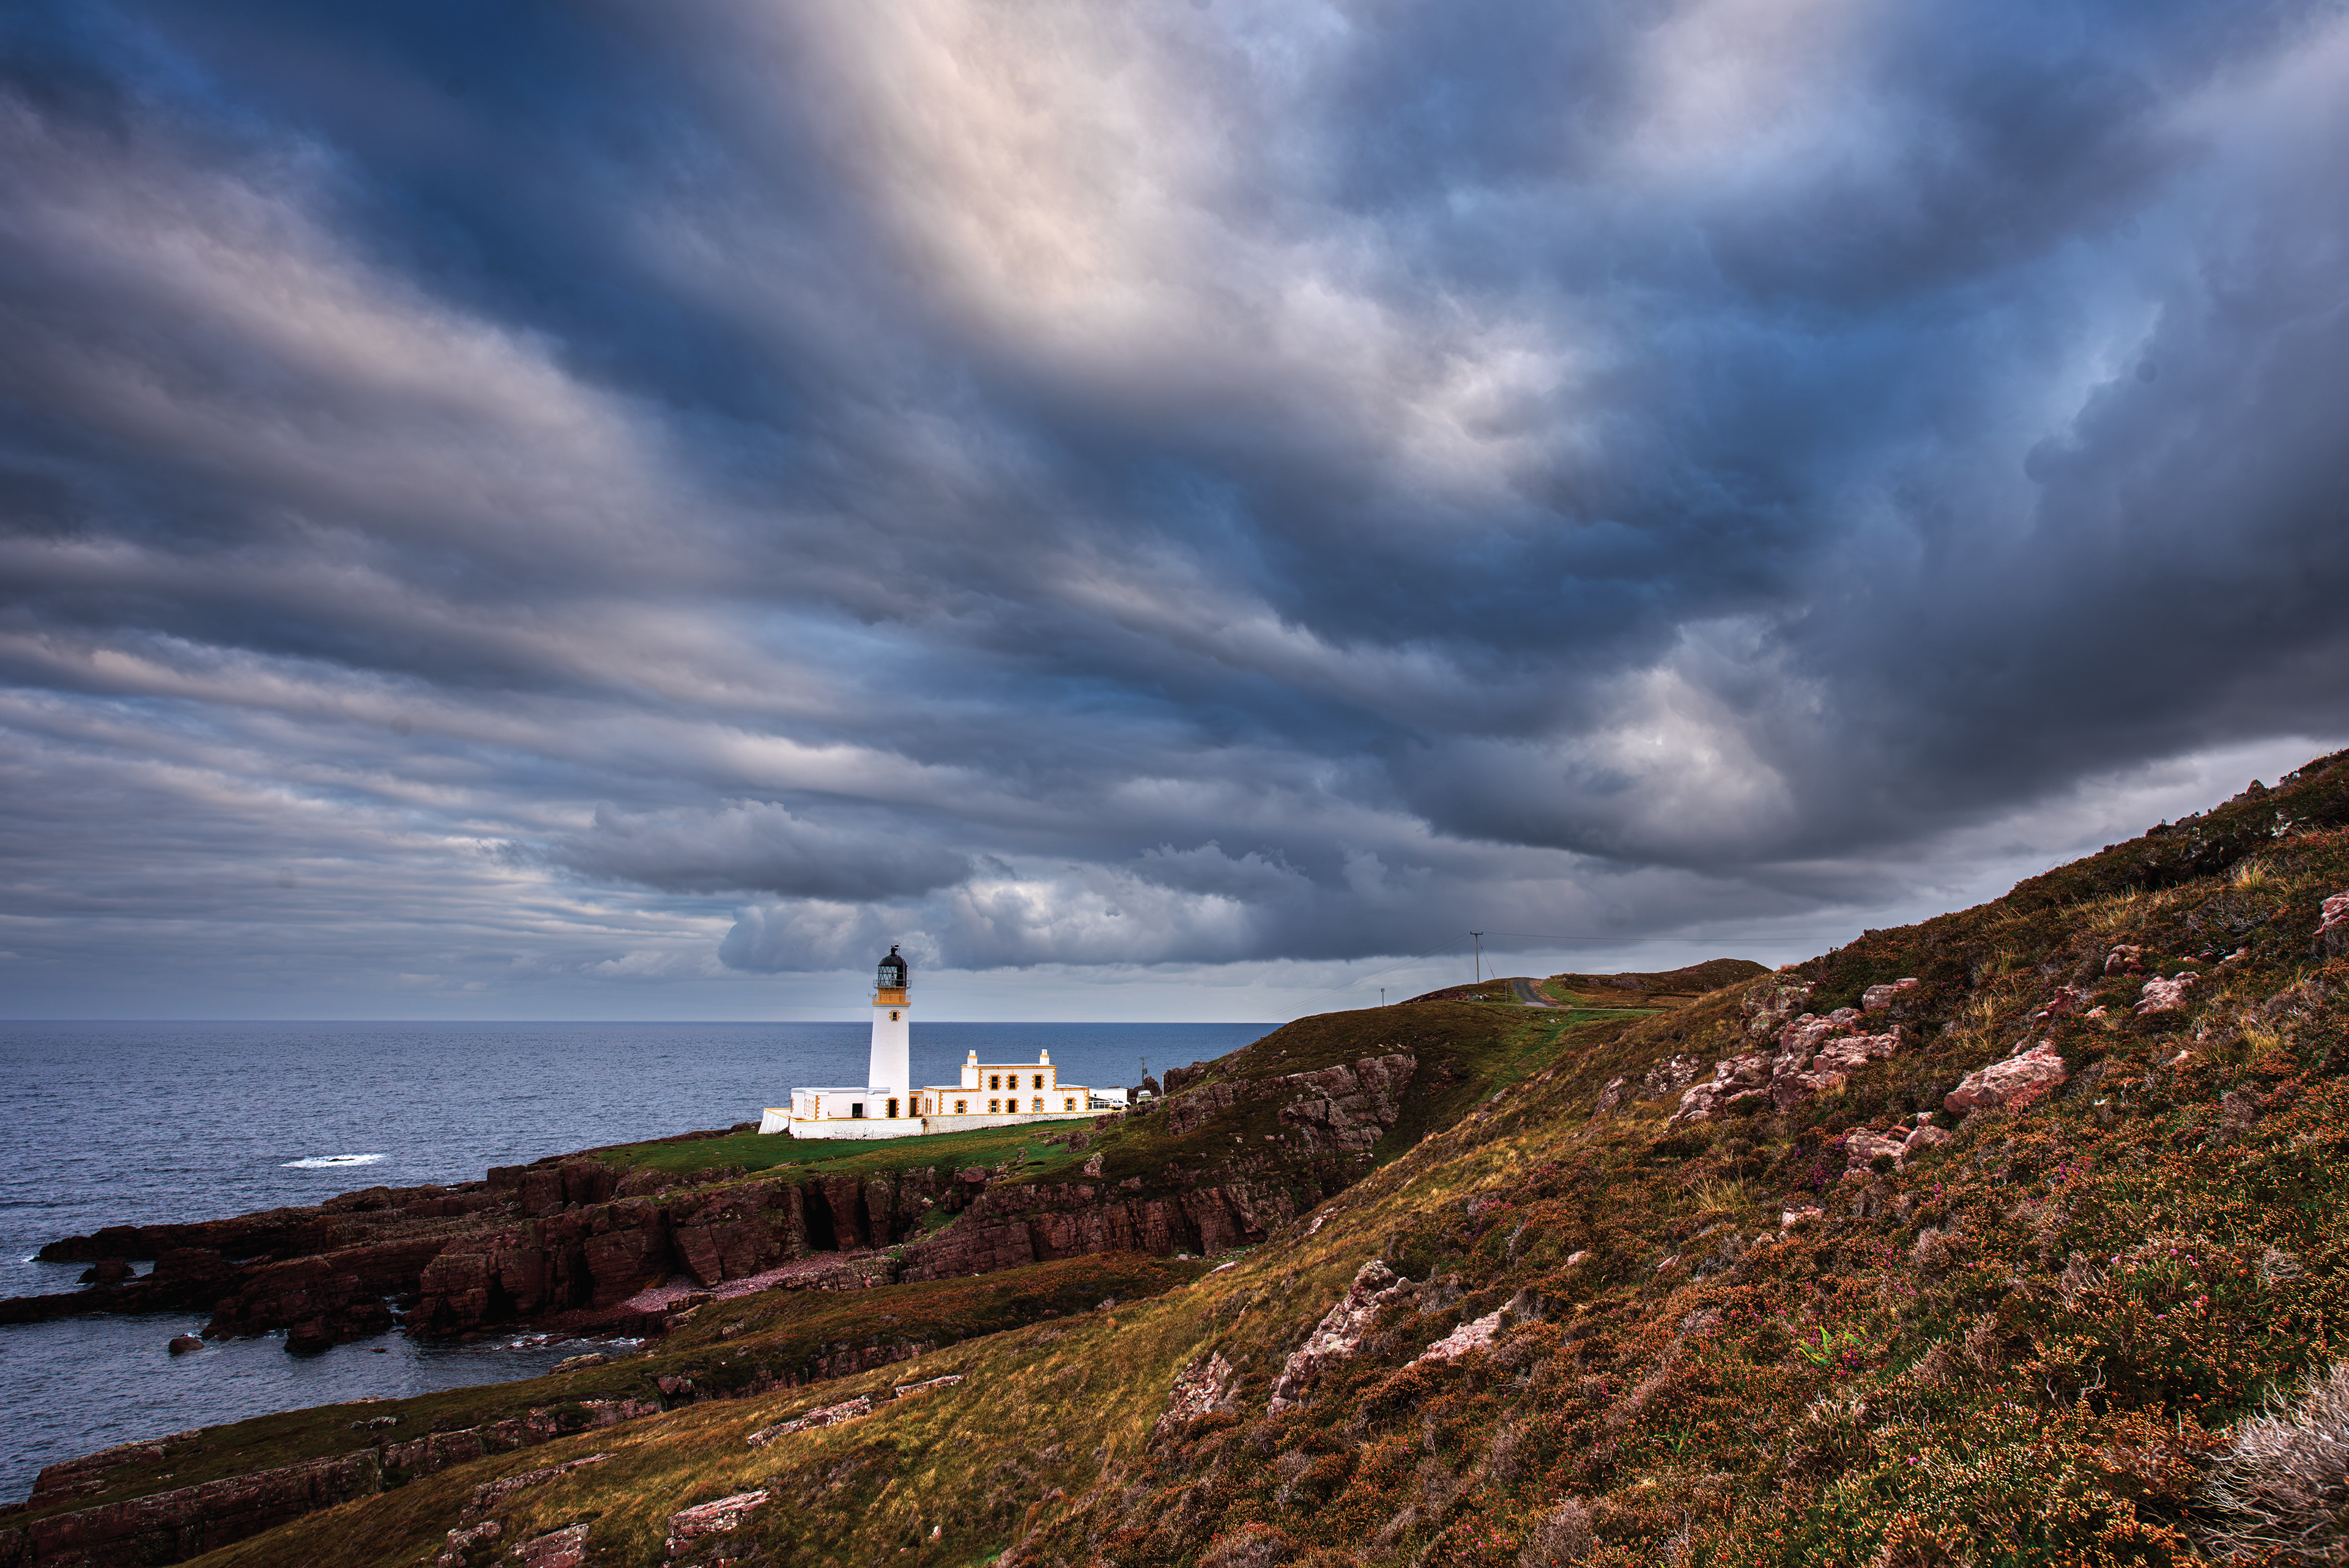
[1399, 963]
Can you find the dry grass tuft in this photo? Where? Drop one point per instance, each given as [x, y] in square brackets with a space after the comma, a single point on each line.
[1563, 1537]
[2282, 1487]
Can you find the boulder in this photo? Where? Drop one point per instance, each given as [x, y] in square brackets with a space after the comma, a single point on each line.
[1861, 1148]
[1476, 1334]
[183, 1342]
[2166, 995]
[718, 1518]
[1877, 998]
[1771, 1003]
[1927, 1136]
[108, 1271]
[564, 1547]
[2332, 927]
[309, 1338]
[2013, 1084]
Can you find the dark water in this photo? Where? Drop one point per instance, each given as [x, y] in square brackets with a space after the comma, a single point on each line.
[108, 1124]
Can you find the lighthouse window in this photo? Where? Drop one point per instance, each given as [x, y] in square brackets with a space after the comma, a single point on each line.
[892, 1015]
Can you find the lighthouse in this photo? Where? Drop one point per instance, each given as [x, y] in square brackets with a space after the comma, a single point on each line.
[889, 1105]
[890, 1075]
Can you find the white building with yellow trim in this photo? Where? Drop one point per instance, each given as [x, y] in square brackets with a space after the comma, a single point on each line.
[990, 1095]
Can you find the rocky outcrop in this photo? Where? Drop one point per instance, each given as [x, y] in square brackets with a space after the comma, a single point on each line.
[2166, 995]
[592, 1256]
[1815, 1055]
[185, 1278]
[326, 1266]
[1769, 1003]
[338, 1298]
[2332, 927]
[2034, 1071]
[1339, 1334]
[1006, 1229]
[350, 1219]
[688, 1528]
[1330, 1120]
[1476, 1333]
[1347, 1107]
[1207, 1385]
[170, 1526]
[1877, 998]
[1344, 1109]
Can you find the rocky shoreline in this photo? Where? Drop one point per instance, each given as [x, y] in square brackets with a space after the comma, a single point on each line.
[574, 1243]
[588, 1244]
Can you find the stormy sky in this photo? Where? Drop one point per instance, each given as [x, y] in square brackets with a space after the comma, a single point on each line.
[1166, 508]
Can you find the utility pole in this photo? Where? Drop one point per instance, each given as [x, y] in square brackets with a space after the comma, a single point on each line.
[1480, 956]
[1383, 996]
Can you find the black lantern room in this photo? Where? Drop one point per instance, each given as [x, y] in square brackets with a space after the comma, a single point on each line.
[892, 973]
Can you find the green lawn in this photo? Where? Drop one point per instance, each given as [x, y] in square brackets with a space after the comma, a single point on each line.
[1022, 1147]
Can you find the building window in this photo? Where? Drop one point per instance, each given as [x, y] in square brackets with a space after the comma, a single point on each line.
[1071, 1104]
[995, 1080]
[892, 1110]
[1040, 1107]
[992, 1106]
[1040, 1080]
[962, 1107]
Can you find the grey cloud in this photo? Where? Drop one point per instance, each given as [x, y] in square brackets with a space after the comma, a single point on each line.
[758, 846]
[1127, 485]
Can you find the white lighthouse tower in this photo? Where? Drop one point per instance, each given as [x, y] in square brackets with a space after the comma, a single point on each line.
[889, 1105]
[890, 1075]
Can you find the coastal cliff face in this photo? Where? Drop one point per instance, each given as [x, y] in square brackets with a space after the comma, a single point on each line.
[1241, 1147]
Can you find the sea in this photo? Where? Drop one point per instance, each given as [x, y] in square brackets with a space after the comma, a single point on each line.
[119, 1124]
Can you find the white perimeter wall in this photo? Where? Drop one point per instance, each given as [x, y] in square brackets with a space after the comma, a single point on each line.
[776, 1121]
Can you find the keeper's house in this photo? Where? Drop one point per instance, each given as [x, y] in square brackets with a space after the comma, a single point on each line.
[991, 1093]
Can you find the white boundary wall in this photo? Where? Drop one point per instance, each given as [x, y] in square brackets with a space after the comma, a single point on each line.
[779, 1119]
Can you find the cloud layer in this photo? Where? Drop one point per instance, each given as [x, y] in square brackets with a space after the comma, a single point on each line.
[548, 500]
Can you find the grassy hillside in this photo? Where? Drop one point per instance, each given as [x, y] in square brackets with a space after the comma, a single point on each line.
[2032, 1334]
[726, 1346]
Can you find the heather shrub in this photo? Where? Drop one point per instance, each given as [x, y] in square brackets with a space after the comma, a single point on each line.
[2282, 1485]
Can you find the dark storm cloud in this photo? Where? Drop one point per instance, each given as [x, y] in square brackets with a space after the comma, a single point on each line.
[754, 846]
[1142, 484]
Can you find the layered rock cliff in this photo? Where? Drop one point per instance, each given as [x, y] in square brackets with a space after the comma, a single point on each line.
[1240, 1146]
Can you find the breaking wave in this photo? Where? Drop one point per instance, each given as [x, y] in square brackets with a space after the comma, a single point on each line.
[330, 1161]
